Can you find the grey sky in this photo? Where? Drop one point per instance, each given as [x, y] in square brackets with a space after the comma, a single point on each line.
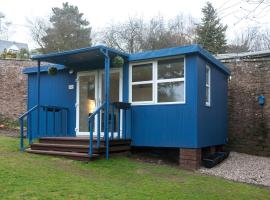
[236, 13]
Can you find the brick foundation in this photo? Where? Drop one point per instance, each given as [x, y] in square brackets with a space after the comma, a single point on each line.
[190, 159]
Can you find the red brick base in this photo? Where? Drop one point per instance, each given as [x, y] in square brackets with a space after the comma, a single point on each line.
[190, 158]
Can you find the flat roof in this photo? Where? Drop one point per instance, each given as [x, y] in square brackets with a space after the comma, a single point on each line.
[83, 57]
[92, 56]
[181, 50]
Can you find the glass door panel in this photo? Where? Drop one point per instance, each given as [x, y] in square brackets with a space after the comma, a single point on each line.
[114, 96]
[87, 100]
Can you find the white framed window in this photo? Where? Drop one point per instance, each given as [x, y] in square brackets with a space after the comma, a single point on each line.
[142, 83]
[158, 82]
[207, 85]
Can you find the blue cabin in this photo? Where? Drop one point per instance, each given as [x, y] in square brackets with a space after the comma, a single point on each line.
[173, 98]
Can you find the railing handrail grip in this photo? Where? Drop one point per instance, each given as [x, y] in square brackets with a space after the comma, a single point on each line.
[45, 106]
[29, 111]
[96, 111]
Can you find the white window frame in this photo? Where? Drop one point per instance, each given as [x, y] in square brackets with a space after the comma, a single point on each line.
[208, 86]
[155, 82]
[131, 83]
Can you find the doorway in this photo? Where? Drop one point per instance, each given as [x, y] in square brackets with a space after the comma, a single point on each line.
[91, 94]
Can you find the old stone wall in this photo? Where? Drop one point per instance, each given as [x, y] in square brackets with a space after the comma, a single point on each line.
[13, 88]
[249, 122]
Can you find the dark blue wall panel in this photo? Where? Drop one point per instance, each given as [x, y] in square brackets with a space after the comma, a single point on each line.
[54, 92]
[172, 125]
[188, 125]
[212, 121]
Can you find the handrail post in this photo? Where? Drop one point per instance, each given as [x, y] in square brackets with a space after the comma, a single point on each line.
[91, 138]
[46, 121]
[112, 122]
[61, 122]
[29, 129]
[54, 121]
[67, 117]
[21, 135]
[124, 124]
[119, 119]
[98, 130]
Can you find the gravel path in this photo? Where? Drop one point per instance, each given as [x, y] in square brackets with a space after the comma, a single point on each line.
[244, 168]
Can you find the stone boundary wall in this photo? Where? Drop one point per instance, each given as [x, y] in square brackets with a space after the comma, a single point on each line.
[248, 121]
[13, 88]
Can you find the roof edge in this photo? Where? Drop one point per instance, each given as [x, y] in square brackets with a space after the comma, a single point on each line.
[206, 54]
[76, 51]
[180, 50]
[44, 68]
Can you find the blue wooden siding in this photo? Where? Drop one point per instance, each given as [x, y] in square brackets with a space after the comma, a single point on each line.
[54, 92]
[190, 125]
[212, 121]
[173, 125]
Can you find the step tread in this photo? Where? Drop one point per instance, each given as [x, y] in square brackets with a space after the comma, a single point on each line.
[66, 138]
[81, 141]
[62, 153]
[64, 145]
[74, 148]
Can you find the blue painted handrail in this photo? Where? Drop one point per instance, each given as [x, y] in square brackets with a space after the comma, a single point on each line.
[91, 120]
[28, 114]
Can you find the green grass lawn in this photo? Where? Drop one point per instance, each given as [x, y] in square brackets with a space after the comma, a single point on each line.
[27, 176]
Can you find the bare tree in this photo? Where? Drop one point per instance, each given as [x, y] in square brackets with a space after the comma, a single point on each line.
[125, 36]
[38, 27]
[4, 27]
[136, 34]
[251, 39]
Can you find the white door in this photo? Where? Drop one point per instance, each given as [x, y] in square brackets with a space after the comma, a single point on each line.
[90, 95]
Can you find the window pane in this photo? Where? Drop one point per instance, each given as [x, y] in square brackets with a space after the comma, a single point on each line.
[87, 103]
[168, 69]
[207, 76]
[207, 97]
[142, 92]
[114, 86]
[142, 72]
[171, 92]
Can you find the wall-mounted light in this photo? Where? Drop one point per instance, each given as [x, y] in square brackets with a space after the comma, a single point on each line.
[71, 71]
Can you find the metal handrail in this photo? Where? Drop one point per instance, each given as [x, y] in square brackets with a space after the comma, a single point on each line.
[91, 125]
[29, 123]
[96, 111]
[28, 112]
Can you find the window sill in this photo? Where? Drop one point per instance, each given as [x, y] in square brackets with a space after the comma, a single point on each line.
[157, 104]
